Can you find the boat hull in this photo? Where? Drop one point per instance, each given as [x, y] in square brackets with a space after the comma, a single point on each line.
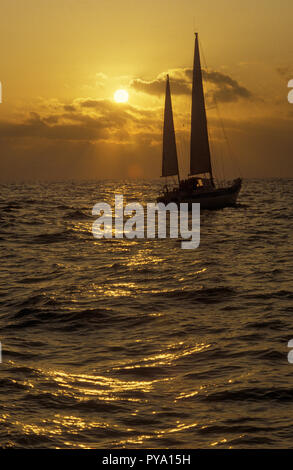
[216, 198]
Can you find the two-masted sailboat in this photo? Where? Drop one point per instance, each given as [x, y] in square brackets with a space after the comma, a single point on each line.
[200, 186]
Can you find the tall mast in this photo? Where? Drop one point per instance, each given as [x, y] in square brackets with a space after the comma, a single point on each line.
[200, 157]
[170, 160]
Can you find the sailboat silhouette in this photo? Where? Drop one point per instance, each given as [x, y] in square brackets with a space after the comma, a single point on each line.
[200, 185]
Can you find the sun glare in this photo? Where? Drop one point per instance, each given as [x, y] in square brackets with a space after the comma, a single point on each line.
[121, 96]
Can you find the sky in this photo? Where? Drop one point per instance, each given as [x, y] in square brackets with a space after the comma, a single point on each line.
[63, 60]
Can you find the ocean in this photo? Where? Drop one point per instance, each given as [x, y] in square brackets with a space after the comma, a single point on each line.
[119, 343]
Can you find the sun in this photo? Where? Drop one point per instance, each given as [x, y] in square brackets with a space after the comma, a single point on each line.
[121, 96]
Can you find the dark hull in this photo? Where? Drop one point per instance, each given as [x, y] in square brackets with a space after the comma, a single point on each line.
[216, 198]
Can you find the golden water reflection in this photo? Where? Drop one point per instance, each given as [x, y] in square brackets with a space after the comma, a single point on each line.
[82, 388]
[75, 389]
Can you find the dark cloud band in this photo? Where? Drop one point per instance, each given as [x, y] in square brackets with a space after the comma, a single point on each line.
[225, 88]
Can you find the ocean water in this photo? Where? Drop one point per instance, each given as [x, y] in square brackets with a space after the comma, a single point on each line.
[139, 343]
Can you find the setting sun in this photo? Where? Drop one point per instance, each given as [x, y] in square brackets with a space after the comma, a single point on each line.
[121, 96]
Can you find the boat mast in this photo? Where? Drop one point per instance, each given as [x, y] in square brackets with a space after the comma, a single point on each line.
[200, 157]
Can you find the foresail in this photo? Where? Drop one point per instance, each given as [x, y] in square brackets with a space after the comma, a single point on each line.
[200, 159]
[170, 160]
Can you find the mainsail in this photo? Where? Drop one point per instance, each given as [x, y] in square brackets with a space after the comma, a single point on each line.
[200, 158]
[170, 160]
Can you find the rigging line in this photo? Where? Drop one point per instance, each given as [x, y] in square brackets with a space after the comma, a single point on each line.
[179, 151]
[221, 161]
[183, 151]
[185, 145]
[178, 143]
[231, 153]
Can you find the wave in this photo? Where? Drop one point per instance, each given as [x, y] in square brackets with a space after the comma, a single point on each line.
[55, 237]
[256, 394]
[206, 295]
[76, 215]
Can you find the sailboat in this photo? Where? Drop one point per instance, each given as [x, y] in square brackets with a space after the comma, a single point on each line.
[200, 186]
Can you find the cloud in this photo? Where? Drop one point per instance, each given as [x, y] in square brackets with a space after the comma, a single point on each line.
[50, 128]
[69, 107]
[227, 89]
[158, 86]
[84, 120]
[224, 88]
[285, 72]
[84, 139]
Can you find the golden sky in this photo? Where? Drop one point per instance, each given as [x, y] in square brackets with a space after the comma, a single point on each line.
[62, 61]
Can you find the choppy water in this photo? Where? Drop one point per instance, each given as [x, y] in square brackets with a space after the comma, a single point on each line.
[119, 343]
